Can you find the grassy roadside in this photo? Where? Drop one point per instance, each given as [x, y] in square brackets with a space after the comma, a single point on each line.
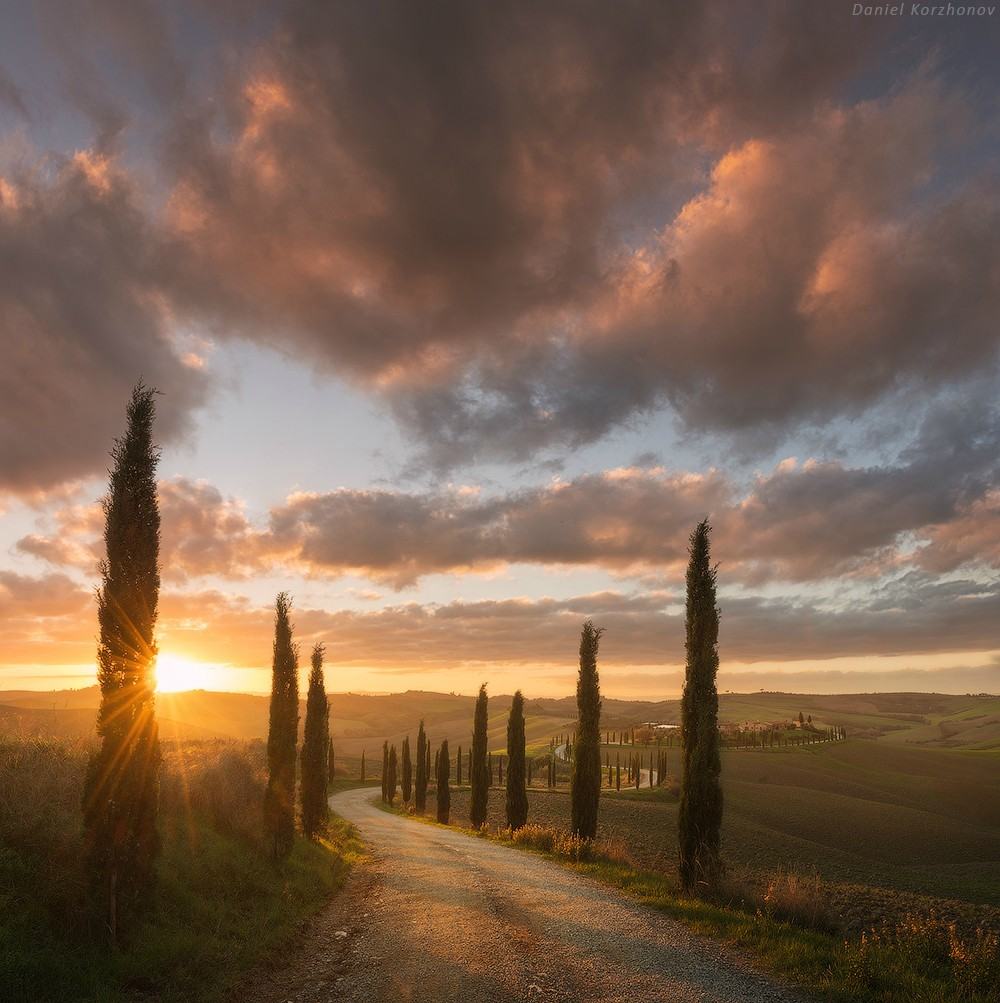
[919, 961]
[220, 906]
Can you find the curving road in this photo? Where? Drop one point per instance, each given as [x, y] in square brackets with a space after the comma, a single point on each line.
[438, 916]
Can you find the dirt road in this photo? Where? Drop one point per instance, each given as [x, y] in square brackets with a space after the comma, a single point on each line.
[438, 916]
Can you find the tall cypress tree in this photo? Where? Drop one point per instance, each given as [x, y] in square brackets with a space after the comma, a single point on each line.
[420, 784]
[443, 793]
[517, 795]
[282, 734]
[458, 767]
[586, 783]
[121, 788]
[315, 750]
[390, 776]
[406, 786]
[362, 765]
[700, 813]
[479, 773]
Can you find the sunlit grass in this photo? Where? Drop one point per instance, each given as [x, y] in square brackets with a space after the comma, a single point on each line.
[220, 906]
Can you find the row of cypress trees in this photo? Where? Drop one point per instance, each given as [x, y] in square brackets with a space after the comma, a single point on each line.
[282, 736]
[700, 814]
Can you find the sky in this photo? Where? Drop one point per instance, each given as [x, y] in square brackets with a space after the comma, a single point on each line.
[463, 314]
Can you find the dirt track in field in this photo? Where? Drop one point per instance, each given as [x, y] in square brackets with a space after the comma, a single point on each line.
[438, 915]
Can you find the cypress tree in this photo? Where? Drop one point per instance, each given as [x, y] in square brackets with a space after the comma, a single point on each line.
[458, 767]
[420, 785]
[406, 786]
[585, 789]
[390, 778]
[279, 798]
[362, 765]
[517, 796]
[618, 776]
[479, 773]
[315, 750]
[443, 793]
[121, 788]
[700, 813]
[385, 770]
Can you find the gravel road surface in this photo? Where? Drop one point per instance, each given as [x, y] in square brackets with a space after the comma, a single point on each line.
[438, 916]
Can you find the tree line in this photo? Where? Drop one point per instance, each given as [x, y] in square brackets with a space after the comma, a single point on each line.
[121, 787]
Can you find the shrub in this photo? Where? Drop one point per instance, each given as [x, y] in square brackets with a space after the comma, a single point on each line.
[229, 789]
[568, 845]
[799, 898]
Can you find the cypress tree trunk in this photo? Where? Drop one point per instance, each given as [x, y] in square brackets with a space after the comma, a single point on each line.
[585, 790]
[121, 788]
[443, 792]
[282, 735]
[517, 796]
[420, 781]
[407, 781]
[479, 772]
[390, 777]
[700, 813]
[315, 750]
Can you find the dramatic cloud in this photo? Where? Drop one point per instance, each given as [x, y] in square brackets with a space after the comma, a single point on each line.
[516, 260]
[82, 317]
[519, 225]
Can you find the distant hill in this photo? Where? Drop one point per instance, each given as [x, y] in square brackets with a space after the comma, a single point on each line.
[364, 721]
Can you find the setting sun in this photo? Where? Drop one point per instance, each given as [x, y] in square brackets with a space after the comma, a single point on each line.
[176, 673]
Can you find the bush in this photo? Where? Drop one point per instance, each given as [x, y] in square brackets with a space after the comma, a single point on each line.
[799, 898]
[565, 844]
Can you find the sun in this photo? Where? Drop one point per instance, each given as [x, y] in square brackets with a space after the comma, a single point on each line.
[175, 673]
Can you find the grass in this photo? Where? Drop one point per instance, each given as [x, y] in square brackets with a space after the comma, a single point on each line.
[220, 907]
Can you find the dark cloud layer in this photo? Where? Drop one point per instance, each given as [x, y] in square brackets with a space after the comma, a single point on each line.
[520, 225]
[82, 317]
[915, 616]
[497, 217]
